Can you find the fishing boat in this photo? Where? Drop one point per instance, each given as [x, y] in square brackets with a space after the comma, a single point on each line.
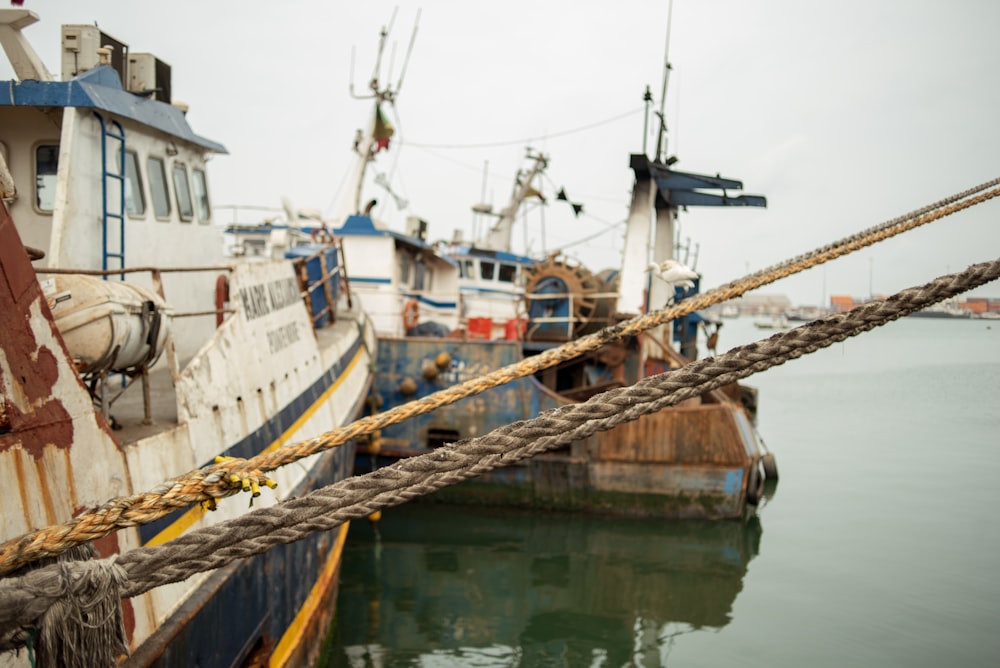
[805, 313]
[135, 350]
[780, 321]
[947, 310]
[702, 459]
[729, 311]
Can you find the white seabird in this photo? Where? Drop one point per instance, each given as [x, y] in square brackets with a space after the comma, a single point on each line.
[674, 273]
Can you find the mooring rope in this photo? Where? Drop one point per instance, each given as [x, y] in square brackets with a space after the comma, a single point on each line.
[142, 569]
[352, 498]
[69, 614]
[217, 481]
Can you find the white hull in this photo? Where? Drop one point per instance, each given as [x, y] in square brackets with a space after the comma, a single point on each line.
[244, 358]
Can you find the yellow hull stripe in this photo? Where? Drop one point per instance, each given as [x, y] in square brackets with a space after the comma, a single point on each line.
[193, 514]
[293, 634]
[323, 398]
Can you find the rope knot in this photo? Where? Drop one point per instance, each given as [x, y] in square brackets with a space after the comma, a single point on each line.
[231, 473]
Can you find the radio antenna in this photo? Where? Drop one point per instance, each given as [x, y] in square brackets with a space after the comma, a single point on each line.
[661, 146]
[381, 50]
[409, 50]
[387, 94]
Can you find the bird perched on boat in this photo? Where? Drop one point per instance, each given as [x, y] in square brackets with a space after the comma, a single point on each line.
[674, 273]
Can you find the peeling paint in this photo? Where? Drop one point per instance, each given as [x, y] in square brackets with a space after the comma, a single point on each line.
[33, 417]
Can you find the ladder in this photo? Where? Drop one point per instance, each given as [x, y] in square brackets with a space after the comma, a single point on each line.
[112, 199]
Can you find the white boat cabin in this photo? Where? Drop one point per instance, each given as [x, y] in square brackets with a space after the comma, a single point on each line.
[491, 285]
[402, 281]
[106, 171]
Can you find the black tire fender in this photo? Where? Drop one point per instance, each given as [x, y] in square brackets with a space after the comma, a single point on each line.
[755, 483]
[770, 466]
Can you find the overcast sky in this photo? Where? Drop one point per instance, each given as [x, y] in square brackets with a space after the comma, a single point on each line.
[843, 114]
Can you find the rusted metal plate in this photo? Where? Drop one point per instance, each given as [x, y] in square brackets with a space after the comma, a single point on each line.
[704, 434]
[57, 455]
[688, 461]
[435, 364]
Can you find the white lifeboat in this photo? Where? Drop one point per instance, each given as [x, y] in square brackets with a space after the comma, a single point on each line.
[107, 325]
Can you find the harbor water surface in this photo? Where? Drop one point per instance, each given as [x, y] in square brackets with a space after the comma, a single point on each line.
[880, 545]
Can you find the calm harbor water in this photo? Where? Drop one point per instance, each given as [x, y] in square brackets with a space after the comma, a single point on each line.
[879, 547]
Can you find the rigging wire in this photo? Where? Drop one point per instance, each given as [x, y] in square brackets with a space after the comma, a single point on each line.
[535, 138]
[612, 228]
[392, 174]
[335, 200]
[401, 142]
[409, 52]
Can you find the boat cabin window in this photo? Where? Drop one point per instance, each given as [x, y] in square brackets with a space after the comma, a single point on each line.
[404, 268]
[508, 272]
[486, 270]
[46, 169]
[182, 189]
[467, 269]
[158, 187]
[135, 200]
[201, 196]
[420, 276]
[254, 247]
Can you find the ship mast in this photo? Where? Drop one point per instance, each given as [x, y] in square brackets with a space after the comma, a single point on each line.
[499, 236]
[658, 190]
[366, 142]
[661, 147]
[646, 236]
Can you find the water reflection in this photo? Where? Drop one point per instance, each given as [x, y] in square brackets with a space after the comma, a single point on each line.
[438, 585]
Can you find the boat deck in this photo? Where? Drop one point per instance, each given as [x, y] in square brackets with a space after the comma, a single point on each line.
[127, 411]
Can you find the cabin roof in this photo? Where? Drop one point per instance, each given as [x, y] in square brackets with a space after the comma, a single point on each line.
[101, 89]
[472, 251]
[361, 225]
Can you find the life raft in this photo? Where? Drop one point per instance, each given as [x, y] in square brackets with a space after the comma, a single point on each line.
[411, 314]
[107, 325]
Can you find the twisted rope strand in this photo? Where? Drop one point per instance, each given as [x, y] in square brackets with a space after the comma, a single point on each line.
[212, 482]
[144, 568]
[356, 497]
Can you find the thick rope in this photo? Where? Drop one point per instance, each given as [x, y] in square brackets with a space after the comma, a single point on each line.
[209, 548]
[223, 479]
[68, 613]
[356, 497]
[637, 325]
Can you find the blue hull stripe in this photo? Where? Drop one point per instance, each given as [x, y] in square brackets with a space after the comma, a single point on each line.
[431, 302]
[268, 433]
[370, 279]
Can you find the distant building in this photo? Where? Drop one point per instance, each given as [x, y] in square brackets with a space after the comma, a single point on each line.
[976, 304]
[759, 304]
[842, 303]
[771, 304]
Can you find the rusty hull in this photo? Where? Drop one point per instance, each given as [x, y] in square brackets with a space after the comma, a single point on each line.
[691, 461]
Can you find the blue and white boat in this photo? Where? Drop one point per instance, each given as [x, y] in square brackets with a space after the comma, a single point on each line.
[134, 349]
[446, 313]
